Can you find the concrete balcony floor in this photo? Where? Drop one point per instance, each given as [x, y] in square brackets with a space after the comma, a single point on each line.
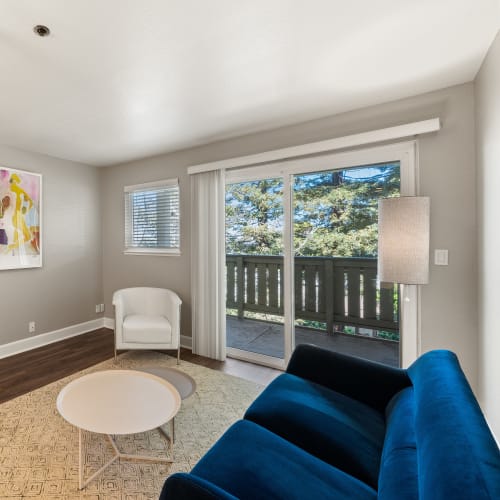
[267, 338]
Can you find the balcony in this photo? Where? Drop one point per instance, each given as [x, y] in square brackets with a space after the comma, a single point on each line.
[339, 304]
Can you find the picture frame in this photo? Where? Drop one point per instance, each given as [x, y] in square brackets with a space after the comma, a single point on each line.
[20, 219]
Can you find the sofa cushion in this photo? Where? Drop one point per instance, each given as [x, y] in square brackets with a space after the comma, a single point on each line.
[251, 462]
[335, 428]
[146, 329]
[398, 476]
[457, 455]
[190, 487]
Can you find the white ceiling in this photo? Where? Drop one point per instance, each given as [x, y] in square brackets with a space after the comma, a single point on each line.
[123, 79]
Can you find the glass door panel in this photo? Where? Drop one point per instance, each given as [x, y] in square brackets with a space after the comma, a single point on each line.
[339, 304]
[255, 267]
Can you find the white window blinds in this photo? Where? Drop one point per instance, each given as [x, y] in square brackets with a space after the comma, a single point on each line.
[152, 219]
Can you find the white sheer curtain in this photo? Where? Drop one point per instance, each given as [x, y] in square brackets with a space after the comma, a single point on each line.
[208, 286]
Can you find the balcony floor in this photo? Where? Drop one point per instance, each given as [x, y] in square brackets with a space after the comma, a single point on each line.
[267, 338]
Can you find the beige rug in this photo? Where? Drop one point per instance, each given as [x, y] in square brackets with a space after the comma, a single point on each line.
[39, 449]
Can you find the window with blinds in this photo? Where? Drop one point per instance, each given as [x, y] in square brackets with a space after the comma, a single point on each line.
[152, 220]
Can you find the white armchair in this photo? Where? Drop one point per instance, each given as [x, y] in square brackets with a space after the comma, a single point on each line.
[147, 318]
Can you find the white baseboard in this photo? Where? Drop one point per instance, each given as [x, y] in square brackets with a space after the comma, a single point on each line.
[109, 323]
[186, 341]
[43, 339]
[48, 338]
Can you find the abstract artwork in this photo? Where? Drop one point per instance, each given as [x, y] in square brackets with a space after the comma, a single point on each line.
[20, 219]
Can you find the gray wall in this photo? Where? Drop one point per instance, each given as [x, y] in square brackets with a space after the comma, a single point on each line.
[447, 175]
[65, 290]
[119, 270]
[488, 163]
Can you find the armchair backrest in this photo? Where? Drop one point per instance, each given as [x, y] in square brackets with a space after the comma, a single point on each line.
[146, 300]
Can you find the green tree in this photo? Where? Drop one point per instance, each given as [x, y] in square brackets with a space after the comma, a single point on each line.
[335, 212]
[254, 217]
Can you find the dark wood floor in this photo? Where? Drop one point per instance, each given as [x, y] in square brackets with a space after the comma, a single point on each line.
[249, 371]
[29, 370]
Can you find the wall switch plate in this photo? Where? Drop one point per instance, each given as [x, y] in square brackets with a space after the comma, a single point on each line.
[97, 308]
[31, 327]
[101, 308]
[440, 257]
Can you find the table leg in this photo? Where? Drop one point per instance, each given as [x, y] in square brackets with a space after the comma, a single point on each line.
[169, 438]
[80, 460]
[118, 454]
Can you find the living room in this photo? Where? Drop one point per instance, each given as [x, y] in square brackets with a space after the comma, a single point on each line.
[57, 90]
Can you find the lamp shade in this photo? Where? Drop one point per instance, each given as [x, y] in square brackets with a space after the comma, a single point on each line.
[403, 240]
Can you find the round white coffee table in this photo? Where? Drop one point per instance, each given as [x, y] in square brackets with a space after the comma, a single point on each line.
[115, 402]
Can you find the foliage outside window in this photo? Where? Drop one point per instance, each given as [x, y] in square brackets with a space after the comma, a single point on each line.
[152, 219]
[334, 212]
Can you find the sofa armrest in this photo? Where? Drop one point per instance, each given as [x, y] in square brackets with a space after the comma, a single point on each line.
[185, 486]
[367, 381]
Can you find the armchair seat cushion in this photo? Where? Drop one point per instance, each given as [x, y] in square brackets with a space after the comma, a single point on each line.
[143, 329]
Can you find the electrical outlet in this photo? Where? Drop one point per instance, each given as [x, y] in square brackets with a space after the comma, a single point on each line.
[97, 308]
[31, 327]
[102, 308]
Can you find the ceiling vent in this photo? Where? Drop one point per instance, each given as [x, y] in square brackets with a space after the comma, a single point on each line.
[41, 30]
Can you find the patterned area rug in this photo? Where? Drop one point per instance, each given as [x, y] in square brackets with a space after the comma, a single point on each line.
[39, 449]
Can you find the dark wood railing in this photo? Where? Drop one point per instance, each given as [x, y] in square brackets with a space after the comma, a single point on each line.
[331, 290]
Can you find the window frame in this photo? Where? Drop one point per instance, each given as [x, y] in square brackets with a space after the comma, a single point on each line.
[158, 251]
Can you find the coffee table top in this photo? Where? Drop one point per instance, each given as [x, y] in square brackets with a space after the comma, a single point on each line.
[118, 402]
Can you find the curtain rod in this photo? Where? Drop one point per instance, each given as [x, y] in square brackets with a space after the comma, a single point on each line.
[370, 137]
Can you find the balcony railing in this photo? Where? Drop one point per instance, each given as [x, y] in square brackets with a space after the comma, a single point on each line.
[330, 290]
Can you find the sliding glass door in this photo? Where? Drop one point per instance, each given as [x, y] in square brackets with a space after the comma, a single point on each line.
[301, 248]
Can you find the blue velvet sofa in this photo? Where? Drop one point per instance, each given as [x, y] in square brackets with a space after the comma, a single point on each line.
[339, 427]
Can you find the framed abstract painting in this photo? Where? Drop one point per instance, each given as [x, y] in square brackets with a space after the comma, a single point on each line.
[20, 219]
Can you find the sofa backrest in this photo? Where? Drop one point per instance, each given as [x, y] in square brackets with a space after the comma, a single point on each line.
[457, 454]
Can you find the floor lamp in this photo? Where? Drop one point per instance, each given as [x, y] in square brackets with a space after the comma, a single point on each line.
[403, 258]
